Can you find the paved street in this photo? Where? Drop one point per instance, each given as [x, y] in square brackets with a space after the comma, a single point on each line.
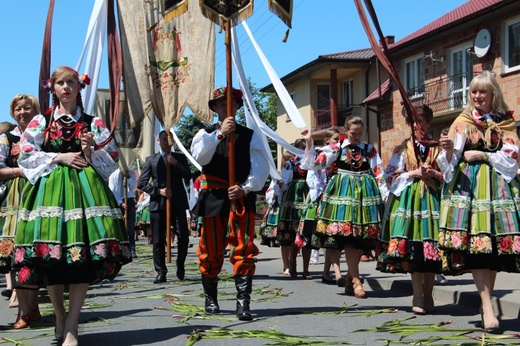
[131, 310]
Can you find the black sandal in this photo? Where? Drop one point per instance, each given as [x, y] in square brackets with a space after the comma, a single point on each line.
[7, 293]
[327, 281]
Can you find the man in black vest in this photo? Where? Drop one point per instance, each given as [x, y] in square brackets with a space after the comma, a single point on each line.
[153, 181]
[220, 227]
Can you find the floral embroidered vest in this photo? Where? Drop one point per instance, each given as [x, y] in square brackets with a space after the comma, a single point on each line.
[65, 137]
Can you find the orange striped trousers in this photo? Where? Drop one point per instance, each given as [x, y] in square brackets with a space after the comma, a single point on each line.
[214, 238]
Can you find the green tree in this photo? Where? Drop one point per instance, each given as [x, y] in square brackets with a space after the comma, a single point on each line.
[186, 129]
[265, 103]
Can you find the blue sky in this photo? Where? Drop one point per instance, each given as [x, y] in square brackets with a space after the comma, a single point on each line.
[318, 27]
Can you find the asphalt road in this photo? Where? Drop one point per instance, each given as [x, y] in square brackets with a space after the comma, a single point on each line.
[131, 310]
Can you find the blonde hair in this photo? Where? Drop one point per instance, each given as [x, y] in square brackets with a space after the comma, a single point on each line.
[354, 120]
[286, 156]
[65, 71]
[487, 81]
[331, 132]
[34, 102]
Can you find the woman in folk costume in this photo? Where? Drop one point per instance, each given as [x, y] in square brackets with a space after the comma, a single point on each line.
[408, 240]
[23, 108]
[351, 206]
[320, 240]
[291, 211]
[70, 230]
[270, 219]
[143, 214]
[480, 208]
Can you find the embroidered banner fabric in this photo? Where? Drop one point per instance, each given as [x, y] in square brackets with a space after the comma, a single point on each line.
[168, 65]
[283, 9]
[220, 11]
[174, 8]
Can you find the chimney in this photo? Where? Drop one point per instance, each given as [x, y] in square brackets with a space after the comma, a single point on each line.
[388, 40]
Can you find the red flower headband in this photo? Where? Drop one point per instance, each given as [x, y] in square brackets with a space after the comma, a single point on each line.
[84, 80]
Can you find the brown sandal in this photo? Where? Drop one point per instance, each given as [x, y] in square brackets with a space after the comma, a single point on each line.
[21, 322]
[359, 292]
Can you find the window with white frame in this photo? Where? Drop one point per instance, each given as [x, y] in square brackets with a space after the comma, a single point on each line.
[414, 76]
[461, 73]
[348, 93]
[512, 45]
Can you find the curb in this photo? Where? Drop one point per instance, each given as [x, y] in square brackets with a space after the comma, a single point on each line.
[458, 291]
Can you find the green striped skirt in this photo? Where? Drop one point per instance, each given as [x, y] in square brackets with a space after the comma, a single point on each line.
[350, 209]
[291, 211]
[70, 230]
[409, 231]
[480, 220]
[9, 221]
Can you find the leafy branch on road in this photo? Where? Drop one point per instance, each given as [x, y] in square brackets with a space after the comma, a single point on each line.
[282, 339]
[461, 334]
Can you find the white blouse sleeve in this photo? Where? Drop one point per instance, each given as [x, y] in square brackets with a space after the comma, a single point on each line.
[204, 145]
[34, 162]
[395, 175]
[448, 168]
[319, 161]
[504, 161]
[105, 159]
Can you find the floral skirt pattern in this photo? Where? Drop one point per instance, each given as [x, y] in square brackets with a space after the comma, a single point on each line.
[350, 210]
[69, 225]
[480, 220]
[291, 211]
[409, 232]
[308, 224]
[9, 221]
[269, 226]
[143, 217]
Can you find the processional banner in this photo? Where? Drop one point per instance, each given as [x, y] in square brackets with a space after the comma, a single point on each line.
[283, 9]
[220, 11]
[174, 8]
[168, 64]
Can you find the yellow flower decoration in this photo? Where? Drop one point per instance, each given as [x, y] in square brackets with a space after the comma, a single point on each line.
[75, 254]
[321, 227]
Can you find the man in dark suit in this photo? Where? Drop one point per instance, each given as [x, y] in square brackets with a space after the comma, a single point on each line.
[153, 181]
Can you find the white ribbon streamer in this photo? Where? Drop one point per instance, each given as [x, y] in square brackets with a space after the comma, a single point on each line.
[281, 91]
[96, 36]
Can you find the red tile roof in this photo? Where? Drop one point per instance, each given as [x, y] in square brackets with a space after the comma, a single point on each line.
[365, 53]
[385, 87]
[460, 13]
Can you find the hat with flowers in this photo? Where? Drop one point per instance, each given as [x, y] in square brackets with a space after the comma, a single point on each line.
[221, 92]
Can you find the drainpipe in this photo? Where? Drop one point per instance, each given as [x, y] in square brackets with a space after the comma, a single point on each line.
[367, 90]
[378, 117]
[333, 97]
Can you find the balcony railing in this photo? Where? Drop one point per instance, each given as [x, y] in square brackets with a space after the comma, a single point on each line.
[323, 117]
[445, 93]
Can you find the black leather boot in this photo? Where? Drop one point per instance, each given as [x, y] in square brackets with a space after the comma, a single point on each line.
[244, 286]
[210, 293]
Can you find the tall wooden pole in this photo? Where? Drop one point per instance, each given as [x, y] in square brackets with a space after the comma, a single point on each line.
[229, 96]
[168, 206]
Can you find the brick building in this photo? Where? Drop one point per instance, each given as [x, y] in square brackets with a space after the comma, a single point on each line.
[435, 65]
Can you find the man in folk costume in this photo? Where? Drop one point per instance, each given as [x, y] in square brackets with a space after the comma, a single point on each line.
[221, 223]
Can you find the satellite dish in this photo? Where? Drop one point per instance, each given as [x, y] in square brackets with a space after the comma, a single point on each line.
[482, 43]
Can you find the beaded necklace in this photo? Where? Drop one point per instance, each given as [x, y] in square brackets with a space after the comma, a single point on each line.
[70, 128]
